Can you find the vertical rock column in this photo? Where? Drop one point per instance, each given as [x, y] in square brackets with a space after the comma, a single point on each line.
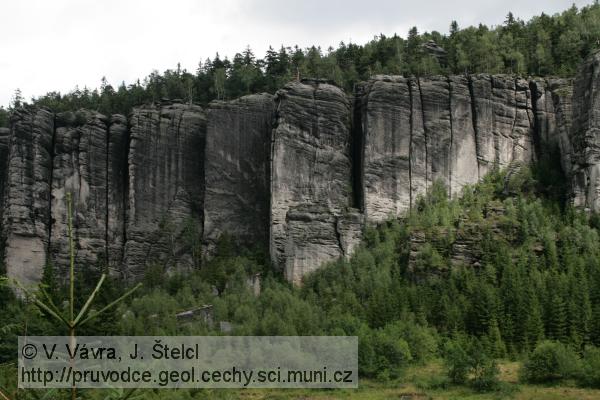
[79, 168]
[166, 186]
[26, 213]
[4, 153]
[385, 116]
[552, 107]
[117, 174]
[435, 108]
[585, 135]
[415, 131]
[238, 145]
[464, 168]
[504, 121]
[311, 178]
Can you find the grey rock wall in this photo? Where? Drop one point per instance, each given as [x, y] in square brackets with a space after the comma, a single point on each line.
[386, 128]
[311, 176]
[237, 168]
[166, 185]
[117, 190]
[585, 135]
[301, 172]
[26, 205]
[79, 168]
[448, 129]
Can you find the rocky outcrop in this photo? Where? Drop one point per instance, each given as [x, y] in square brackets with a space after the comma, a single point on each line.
[117, 191]
[385, 119]
[311, 176]
[302, 171]
[464, 166]
[4, 153]
[237, 168]
[165, 186]
[585, 135]
[448, 129]
[504, 121]
[552, 106]
[79, 168]
[26, 205]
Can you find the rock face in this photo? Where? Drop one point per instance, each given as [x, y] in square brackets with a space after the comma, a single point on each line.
[4, 152]
[453, 130]
[79, 168]
[237, 168]
[553, 109]
[504, 121]
[117, 174]
[26, 211]
[311, 176]
[166, 186]
[585, 135]
[301, 172]
[385, 120]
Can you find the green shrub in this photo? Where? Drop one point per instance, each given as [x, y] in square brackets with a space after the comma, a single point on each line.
[485, 375]
[467, 362]
[550, 362]
[590, 372]
[422, 341]
[457, 360]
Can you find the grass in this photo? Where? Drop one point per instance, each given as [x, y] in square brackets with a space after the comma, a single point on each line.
[418, 383]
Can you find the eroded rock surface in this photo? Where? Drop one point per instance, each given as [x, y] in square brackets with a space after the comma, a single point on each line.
[237, 168]
[449, 129]
[311, 176]
[26, 211]
[504, 121]
[302, 171]
[166, 186]
[585, 135]
[385, 112]
[79, 168]
[117, 191]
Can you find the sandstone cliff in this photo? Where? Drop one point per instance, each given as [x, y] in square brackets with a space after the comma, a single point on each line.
[237, 165]
[585, 135]
[311, 176]
[299, 173]
[165, 184]
[26, 204]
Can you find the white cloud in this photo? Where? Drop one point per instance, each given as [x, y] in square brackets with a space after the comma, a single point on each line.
[55, 45]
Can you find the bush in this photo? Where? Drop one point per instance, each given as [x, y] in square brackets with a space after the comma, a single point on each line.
[550, 362]
[590, 374]
[458, 362]
[485, 375]
[422, 340]
[467, 362]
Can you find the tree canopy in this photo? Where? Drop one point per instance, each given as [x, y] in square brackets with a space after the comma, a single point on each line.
[544, 45]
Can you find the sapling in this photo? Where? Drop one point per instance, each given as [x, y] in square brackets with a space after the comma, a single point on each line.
[71, 321]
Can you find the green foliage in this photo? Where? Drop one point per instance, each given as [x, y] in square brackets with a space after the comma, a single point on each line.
[549, 362]
[532, 273]
[544, 45]
[485, 375]
[458, 362]
[468, 362]
[590, 374]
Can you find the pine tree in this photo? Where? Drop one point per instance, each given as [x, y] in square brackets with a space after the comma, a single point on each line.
[497, 348]
[556, 319]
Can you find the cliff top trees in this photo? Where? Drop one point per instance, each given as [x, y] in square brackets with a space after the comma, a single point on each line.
[544, 45]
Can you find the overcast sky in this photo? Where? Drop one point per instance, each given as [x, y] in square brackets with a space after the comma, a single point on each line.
[54, 45]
